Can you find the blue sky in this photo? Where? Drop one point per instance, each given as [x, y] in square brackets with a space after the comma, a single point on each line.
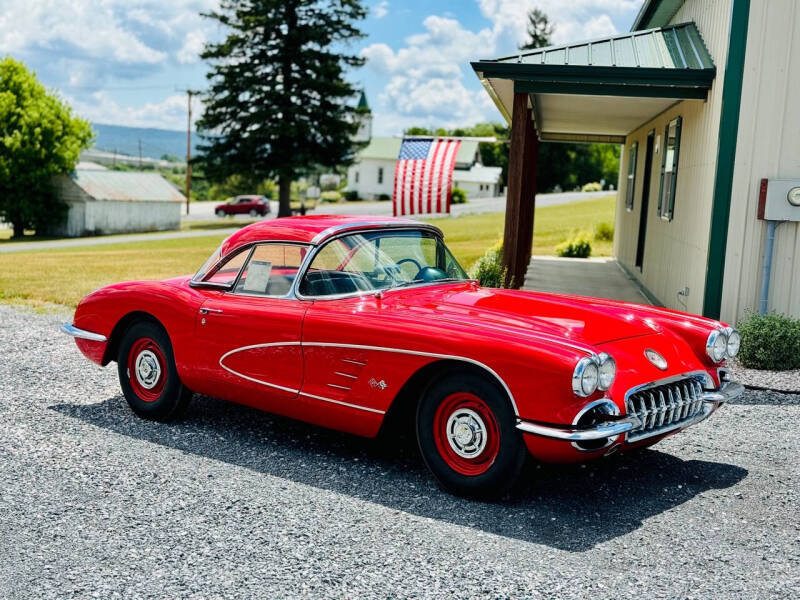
[124, 61]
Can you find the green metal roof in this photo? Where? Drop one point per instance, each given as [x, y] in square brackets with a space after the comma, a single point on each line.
[656, 13]
[125, 185]
[661, 65]
[362, 101]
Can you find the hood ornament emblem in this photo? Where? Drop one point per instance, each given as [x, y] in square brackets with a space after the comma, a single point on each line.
[656, 359]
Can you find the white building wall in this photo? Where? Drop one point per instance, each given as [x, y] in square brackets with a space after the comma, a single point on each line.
[768, 146]
[104, 217]
[366, 182]
[676, 251]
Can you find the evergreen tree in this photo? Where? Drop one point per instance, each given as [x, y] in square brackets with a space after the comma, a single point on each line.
[278, 103]
[540, 31]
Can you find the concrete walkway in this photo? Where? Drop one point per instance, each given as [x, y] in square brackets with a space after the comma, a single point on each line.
[599, 277]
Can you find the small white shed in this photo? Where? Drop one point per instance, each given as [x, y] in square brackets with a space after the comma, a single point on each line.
[103, 202]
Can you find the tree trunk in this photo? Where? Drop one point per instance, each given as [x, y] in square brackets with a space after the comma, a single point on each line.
[284, 195]
[19, 229]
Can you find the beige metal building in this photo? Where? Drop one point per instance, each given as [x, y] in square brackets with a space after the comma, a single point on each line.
[703, 95]
[103, 202]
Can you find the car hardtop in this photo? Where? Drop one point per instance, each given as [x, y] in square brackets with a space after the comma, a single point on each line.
[315, 229]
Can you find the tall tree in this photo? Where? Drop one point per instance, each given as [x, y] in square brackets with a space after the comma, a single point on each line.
[278, 101]
[540, 30]
[39, 138]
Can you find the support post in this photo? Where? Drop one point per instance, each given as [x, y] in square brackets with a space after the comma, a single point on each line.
[521, 193]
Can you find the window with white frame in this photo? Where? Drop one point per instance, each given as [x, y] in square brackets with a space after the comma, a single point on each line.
[380, 174]
[669, 169]
[630, 190]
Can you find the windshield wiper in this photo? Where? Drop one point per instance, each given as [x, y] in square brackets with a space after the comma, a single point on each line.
[415, 281]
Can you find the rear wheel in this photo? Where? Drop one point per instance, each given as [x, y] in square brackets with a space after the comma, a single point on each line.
[220, 212]
[147, 373]
[467, 435]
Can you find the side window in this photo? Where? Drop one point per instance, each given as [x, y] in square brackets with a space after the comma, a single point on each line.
[227, 273]
[270, 269]
[380, 174]
[631, 186]
[669, 170]
[357, 174]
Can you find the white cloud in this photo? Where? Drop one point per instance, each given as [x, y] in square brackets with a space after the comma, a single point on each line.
[192, 47]
[380, 10]
[169, 113]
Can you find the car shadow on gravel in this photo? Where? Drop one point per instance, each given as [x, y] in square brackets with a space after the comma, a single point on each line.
[569, 507]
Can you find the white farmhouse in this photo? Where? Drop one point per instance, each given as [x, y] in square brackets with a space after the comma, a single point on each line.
[372, 174]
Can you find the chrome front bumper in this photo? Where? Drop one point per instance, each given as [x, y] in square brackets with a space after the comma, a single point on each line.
[70, 329]
[712, 400]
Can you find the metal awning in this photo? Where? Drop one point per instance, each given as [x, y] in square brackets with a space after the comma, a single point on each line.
[601, 90]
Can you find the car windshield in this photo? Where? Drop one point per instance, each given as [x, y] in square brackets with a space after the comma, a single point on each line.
[379, 260]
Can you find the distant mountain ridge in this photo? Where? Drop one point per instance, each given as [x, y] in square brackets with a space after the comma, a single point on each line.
[155, 142]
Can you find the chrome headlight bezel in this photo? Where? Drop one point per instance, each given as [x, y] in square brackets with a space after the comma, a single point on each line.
[591, 366]
[717, 345]
[735, 341]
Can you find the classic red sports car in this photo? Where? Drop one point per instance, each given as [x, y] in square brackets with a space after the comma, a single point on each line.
[347, 321]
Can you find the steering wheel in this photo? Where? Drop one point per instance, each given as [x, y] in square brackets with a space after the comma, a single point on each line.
[411, 260]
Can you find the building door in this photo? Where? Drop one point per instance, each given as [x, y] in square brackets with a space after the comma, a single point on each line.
[648, 167]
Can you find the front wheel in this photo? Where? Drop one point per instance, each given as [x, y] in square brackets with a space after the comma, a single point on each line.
[253, 212]
[147, 373]
[467, 436]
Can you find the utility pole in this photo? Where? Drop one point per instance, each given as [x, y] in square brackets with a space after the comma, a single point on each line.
[189, 94]
[140, 154]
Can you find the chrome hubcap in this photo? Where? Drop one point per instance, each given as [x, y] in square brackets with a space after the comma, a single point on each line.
[148, 371]
[466, 433]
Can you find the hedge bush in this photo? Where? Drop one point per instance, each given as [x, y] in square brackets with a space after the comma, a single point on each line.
[604, 231]
[384, 197]
[578, 247]
[488, 269]
[770, 342]
[330, 196]
[593, 186]
[351, 196]
[458, 196]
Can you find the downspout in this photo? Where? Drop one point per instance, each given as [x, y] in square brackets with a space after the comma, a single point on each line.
[766, 269]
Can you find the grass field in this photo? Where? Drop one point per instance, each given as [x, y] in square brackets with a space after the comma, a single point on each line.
[64, 276]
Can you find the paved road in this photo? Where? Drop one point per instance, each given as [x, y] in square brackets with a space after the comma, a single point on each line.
[205, 210]
[230, 502]
[201, 211]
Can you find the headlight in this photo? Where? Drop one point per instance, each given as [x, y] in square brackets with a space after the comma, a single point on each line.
[585, 377]
[734, 341]
[717, 345]
[607, 371]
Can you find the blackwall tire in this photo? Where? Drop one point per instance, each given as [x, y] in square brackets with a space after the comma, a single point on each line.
[220, 213]
[147, 373]
[466, 430]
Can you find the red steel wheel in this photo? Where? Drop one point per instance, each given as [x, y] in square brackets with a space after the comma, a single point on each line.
[147, 369]
[466, 433]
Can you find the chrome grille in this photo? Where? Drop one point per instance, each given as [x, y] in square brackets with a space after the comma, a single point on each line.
[661, 408]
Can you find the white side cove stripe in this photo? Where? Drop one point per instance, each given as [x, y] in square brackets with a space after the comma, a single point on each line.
[358, 347]
[418, 353]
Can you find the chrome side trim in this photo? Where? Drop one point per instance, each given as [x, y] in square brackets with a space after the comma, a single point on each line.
[70, 329]
[348, 375]
[338, 387]
[372, 410]
[368, 225]
[420, 353]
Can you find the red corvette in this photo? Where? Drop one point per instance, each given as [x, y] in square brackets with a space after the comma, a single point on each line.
[346, 321]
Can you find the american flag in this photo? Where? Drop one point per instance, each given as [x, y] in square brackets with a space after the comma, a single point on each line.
[423, 176]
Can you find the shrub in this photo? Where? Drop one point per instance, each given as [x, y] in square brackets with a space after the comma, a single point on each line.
[458, 196]
[770, 342]
[488, 269]
[604, 231]
[351, 196]
[577, 247]
[330, 196]
[384, 197]
[594, 186]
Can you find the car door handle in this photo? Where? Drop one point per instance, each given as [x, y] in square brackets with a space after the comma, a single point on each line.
[205, 311]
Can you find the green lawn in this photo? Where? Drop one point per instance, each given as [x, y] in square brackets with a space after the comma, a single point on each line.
[64, 276]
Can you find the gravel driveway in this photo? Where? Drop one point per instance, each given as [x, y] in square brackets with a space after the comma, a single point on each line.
[231, 502]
